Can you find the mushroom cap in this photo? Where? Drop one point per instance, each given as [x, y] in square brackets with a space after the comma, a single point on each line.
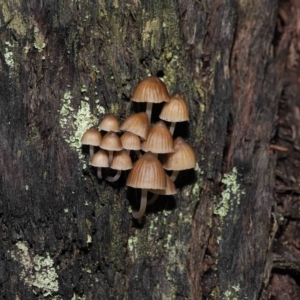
[175, 111]
[91, 137]
[169, 190]
[109, 123]
[183, 158]
[130, 141]
[111, 142]
[137, 124]
[147, 173]
[159, 139]
[151, 89]
[100, 159]
[121, 161]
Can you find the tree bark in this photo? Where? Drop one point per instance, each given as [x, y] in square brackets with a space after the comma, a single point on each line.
[64, 65]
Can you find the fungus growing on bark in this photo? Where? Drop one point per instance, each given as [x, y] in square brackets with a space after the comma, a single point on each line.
[151, 90]
[121, 162]
[111, 142]
[159, 139]
[91, 137]
[130, 141]
[169, 190]
[175, 111]
[99, 161]
[146, 173]
[109, 123]
[181, 159]
[137, 124]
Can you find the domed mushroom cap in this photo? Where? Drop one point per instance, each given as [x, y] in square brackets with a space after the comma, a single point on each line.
[183, 158]
[151, 89]
[130, 141]
[175, 111]
[109, 123]
[121, 161]
[100, 159]
[137, 124]
[111, 142]
[147, 173]
[91, 137]
[159, 139]
[169, 190]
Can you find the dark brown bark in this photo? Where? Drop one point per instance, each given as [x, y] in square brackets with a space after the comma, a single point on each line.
[67, 235]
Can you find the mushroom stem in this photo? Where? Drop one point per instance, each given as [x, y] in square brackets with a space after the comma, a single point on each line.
[149, 110]
[114, 178]
[110, 157]
[174, 175]
[172, 127]
[153, 199]
[143, 205]
[99, 173]
[138, 153]
[91, 151]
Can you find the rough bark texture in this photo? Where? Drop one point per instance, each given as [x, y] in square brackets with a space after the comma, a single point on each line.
[65, 64]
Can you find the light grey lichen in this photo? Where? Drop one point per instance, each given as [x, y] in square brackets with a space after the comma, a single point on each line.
[45, 275]
[75, 123]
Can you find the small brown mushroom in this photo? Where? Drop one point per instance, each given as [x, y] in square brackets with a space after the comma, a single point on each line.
[130, 141]
[121, 162]
[169, 190]
[183, 158]
[159, 139]
[151, 90]
[91, 137]
[147, 173]
[175, 111]
[99, 161]
[137, 124]
[109, 123]
[111, 142]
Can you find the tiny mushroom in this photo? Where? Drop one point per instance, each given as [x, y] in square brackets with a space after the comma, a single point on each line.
[109, 123]
[130, 141]
[137, 124]
[121, 162]
[169, 190]
[91, 137]
[100, 160]
[146, 173]
[111, 142]
[181, 159]
[151, 90]
[159, 139]
[175, 111]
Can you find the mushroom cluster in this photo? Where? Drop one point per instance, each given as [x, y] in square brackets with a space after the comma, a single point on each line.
[153, 148]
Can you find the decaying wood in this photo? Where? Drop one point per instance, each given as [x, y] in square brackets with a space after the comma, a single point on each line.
[63, 66]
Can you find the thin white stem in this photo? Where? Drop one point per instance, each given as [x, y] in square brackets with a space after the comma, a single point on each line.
[138, 153]
[174, 175]
[152, 200]
[172, 127]
[143, 205]
[114, 178]
[99, 173]
[149, 110]
[110, 157]
[91, 151]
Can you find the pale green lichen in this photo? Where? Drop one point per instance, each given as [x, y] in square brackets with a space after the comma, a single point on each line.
[75, 123]
[45, 275]
[8, 55]
[38, 272]
[230, 194]
[232, 294]
[39, 39]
